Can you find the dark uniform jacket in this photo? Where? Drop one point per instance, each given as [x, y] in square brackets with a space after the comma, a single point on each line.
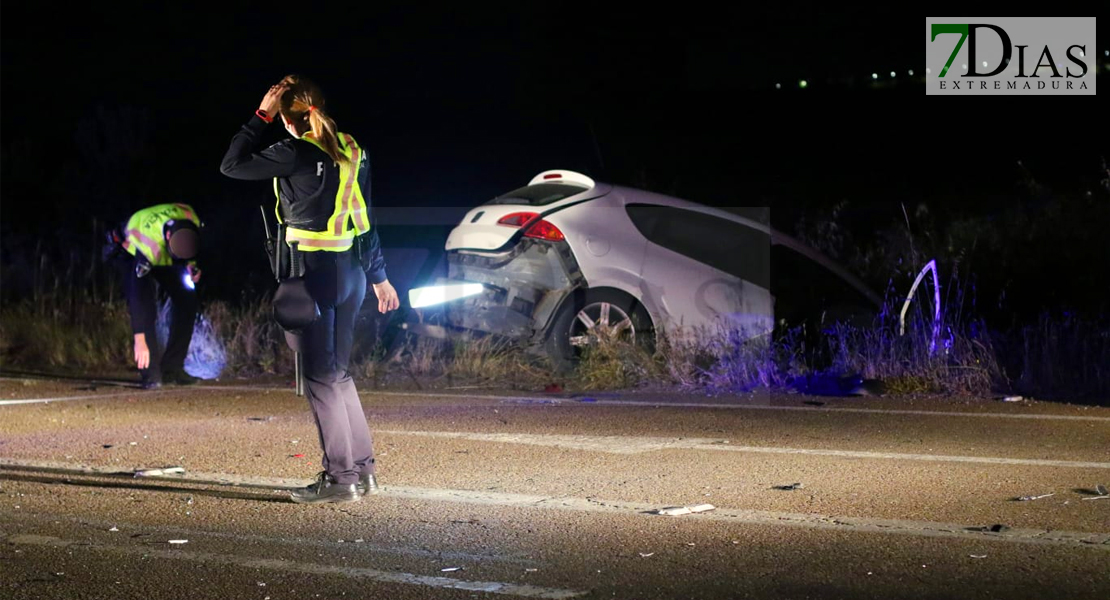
[308, 181]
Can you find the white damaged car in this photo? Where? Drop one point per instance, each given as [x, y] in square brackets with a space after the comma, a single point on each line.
[564, 260]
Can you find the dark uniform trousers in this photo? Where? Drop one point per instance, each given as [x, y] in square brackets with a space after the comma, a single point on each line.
[337, 283]
[142, 303]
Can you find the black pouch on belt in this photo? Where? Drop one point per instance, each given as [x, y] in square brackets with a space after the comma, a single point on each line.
[294, 307]
[362, 247]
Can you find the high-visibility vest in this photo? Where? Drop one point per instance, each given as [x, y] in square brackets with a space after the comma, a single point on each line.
[349, 209]
[146, 231]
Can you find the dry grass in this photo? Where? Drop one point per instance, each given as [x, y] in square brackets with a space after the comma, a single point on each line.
[70, 338]
[468, 361]
[1060, 356]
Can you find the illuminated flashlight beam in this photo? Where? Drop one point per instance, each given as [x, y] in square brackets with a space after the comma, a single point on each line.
[438, 294]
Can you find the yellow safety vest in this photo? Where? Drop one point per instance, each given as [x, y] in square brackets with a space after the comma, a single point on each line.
[350, 206]
[145, 231]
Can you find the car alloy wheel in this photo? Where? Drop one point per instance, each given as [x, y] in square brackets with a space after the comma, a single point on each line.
[600, 320]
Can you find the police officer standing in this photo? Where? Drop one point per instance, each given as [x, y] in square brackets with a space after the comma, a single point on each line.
[163, 242]
[322, 181]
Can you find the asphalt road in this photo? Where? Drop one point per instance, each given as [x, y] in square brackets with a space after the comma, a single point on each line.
[491, 494]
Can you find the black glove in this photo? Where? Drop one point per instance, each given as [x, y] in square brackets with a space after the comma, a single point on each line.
[113, 246]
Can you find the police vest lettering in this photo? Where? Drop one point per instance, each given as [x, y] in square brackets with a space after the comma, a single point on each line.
[348, 217]
[146, 231]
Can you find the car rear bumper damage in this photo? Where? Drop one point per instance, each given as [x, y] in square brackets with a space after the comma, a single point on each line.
[521, 290]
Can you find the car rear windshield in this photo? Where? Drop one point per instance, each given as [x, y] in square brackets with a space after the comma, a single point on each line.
[540, 194]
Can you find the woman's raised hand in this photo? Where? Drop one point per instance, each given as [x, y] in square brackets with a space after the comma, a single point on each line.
[271, 102]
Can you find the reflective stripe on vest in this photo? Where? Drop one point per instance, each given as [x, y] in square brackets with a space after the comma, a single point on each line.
[350, 206]
[140, 242]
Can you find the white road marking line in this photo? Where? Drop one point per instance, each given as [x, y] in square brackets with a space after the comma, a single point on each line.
[877, 411]
[142, 392]
[1098, 540]
[560, 401]
[492, 587]
[637, 445]
[135, 392]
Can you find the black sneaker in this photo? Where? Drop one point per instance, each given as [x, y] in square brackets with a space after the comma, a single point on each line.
[367, 484]
[180, 378]
[325, 490]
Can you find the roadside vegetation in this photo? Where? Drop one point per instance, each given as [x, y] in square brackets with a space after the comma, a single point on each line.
[995, 333]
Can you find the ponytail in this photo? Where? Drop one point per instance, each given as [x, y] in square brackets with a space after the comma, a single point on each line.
[304, 102]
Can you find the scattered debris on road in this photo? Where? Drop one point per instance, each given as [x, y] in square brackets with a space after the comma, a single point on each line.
[1028, 498]
[296, 456]
[977, 555]
[684, 510]
[114, 528]
[789, 488]
[1012, 398]
[158, 472]
[530, 570]
[451, 569]
[646, 554]
[263, 419]
[179, 541]
[1101, 490]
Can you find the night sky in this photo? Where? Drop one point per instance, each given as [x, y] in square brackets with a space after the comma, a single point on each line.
[109, 109]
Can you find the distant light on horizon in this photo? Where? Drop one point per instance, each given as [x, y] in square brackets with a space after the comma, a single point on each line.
[892, 74]
[778, 86]
[802, 84]
[911, 72]
[874, 76]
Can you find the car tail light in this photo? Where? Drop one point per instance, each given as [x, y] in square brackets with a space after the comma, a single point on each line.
[535, 227]
[518, 219]
[545, 231]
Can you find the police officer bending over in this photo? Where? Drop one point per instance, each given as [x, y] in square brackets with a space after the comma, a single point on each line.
[322, 180]
[162, 242]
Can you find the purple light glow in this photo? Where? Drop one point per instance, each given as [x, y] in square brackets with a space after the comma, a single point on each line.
[930, 266]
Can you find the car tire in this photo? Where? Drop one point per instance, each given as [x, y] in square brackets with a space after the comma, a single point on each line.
[565, 353]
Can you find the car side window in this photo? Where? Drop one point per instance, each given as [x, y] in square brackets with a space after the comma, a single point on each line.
[725, 245]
